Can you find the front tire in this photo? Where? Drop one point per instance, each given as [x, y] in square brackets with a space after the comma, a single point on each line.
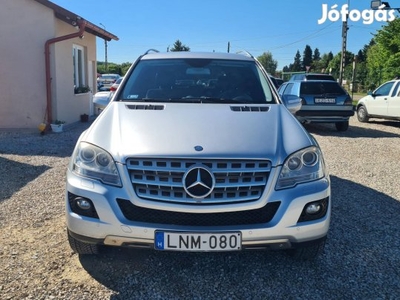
[81, 247]
[342, 126]
[362, 114]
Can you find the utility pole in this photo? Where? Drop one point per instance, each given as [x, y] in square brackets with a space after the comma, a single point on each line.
[345, 28]
[105, 52]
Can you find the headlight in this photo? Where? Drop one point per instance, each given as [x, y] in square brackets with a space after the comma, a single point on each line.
[94, 162]
[303, 166]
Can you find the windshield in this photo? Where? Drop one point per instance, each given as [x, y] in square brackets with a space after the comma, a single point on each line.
[197, 80]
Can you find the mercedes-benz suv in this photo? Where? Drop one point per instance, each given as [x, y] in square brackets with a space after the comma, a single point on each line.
[197, 152]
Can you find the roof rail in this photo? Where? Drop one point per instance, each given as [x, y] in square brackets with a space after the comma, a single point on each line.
[151, 50]
[244, 52]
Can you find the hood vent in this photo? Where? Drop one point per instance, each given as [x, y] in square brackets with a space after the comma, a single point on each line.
[250, 108]
[145, 107]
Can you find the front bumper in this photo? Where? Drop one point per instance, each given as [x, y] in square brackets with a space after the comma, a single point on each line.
[282, 230]
[326, 114]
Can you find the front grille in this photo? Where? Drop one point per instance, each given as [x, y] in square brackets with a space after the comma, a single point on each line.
[256, 216]
[236, 181]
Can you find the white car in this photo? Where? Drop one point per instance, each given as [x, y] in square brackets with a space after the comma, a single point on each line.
[383, 103]
[105, 81]
[100, 101]
[197, 152]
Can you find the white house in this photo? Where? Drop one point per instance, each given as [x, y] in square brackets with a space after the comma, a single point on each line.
[46, 52]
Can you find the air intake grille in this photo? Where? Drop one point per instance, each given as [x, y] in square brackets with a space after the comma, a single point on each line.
[250, 108]
[247, 217]
[163, 179]
[145, 107]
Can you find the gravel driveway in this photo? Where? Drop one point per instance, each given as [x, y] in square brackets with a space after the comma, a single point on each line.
[361, 259]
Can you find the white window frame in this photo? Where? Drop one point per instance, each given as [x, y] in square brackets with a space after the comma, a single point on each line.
[78, 56]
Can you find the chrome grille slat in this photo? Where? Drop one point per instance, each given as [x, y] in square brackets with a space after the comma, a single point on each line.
[161, 179]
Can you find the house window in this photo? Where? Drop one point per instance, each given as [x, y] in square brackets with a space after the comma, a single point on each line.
[78, 55]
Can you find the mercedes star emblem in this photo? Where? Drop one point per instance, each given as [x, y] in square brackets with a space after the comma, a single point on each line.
[198, 181]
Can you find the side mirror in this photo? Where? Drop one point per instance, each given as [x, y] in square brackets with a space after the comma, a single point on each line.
[292, 103]
[371, 93]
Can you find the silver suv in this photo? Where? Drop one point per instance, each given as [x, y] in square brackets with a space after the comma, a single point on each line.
[196, 152]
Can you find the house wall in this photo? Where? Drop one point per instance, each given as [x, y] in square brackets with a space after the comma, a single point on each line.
[26, 25]
[68, 106]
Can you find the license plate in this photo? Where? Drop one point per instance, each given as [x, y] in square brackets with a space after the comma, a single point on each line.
[184, 241]
[325, 100]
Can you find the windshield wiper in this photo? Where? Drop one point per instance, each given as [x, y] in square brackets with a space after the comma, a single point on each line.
[204, 99]
[189, 100]
[147, 100]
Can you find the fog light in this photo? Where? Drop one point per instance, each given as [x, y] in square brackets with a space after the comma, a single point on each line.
[82, 206]
[83, 203]
[313, 208]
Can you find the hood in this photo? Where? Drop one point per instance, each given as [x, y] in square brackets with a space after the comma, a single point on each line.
[174, 130]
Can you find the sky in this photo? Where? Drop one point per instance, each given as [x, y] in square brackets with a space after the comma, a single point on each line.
[280, 27]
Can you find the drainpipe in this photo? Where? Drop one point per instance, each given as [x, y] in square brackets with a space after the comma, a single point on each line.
[82, 26]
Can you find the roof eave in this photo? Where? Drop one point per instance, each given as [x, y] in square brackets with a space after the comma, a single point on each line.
[72, 19]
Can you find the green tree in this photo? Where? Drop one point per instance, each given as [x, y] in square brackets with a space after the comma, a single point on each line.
[125, 67]
[178, 46]
[321, 65]
[316, 55]
[296, 66]
[307, 58]
[383, 57]
[334, 64]
[268, 62]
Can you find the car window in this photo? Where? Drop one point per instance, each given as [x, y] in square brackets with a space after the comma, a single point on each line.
[289, 90]
[396, 90]
[185, 79]
[319, 88]
[384, 89]
[319, 77]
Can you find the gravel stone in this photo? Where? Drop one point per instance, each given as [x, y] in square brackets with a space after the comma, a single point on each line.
[361, 259]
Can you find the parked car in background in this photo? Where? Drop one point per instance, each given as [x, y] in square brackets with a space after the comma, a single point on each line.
[279, 81]
[196, 152]
[100, 101]
[105, 81]
[116, 84]
[383, 103]
[323, 101]
[276, 81]
[311, 76]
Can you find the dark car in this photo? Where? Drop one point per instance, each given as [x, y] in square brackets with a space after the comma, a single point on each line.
[276, 81]
[323, 101]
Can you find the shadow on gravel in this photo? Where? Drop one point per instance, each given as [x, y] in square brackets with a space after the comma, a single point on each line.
[395, 124]
[361, 261]
[353, 131]
[16, 175]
